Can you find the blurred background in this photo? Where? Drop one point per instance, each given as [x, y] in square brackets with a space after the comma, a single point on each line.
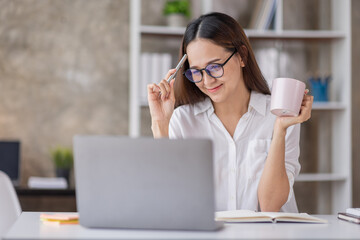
[65, 70]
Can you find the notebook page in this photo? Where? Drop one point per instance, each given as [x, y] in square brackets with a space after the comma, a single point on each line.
[294, 217]
[241, 216]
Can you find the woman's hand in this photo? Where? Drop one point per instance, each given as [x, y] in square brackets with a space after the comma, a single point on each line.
[282, 123]
[161, 98]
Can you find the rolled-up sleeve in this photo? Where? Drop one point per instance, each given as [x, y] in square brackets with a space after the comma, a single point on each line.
[175, 126]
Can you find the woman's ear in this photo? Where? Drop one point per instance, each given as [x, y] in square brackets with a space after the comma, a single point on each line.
[243, 53]
[242, 62]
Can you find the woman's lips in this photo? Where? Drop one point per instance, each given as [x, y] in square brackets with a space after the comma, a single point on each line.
[212, 90]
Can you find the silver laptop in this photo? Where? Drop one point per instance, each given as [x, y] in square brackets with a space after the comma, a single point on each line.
[143, 183]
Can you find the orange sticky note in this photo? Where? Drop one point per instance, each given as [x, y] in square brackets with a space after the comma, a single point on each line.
[59, 218]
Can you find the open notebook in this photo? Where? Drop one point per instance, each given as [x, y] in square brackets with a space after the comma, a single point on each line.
[251, 216]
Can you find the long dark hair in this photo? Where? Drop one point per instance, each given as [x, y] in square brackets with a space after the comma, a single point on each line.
[224, 31]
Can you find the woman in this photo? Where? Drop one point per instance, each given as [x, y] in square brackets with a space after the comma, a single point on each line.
[222, 95]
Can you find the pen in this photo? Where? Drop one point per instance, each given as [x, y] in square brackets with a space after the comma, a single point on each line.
[180, 64]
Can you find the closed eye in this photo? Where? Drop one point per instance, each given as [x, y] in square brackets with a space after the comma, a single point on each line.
[213, 67]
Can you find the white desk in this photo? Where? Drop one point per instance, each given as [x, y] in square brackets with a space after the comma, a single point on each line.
[28, 226]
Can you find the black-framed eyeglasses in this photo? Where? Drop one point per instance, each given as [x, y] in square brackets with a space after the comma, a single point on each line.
[214, 70]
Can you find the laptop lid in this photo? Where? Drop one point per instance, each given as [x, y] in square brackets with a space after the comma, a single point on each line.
[144, 183]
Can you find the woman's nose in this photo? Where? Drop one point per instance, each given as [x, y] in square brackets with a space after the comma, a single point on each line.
[207, 78]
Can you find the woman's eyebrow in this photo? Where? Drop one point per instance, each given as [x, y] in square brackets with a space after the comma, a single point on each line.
[211, 61]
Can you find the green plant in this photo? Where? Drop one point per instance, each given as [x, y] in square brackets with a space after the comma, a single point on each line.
[62, 157]
[177, 6]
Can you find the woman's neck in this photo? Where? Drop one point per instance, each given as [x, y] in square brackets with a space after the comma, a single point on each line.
[236, 105]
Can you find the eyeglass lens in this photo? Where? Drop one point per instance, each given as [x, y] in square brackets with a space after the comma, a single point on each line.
[213, 70]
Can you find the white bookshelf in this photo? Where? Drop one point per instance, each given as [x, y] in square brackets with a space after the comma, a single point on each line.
[329, 106]
[162, 30]
[266, 34]
[321, 177]
[338, 109]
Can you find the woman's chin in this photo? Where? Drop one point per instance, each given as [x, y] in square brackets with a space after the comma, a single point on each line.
[216, 99]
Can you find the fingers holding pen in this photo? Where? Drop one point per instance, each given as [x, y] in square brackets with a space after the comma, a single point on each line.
[165, 86]
[153, 91]
[169, 73]
[164, 89]
[172, 92]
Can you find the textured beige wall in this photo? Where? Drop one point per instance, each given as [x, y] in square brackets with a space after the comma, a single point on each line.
[63, 71]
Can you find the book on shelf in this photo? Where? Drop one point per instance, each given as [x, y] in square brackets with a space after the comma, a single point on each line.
[153, 68]
[144, 74]
[349, 217]
[263, 15]
[47, 182]
[239, 216]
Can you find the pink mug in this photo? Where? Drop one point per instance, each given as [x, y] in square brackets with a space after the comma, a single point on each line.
[286, 96]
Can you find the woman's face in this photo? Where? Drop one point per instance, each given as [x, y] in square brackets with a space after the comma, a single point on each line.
[202, 52]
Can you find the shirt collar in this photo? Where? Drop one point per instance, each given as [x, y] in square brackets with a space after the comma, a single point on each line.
[257, 101]
[203, 106]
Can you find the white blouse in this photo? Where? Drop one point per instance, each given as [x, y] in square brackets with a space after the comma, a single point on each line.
[239, 160]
